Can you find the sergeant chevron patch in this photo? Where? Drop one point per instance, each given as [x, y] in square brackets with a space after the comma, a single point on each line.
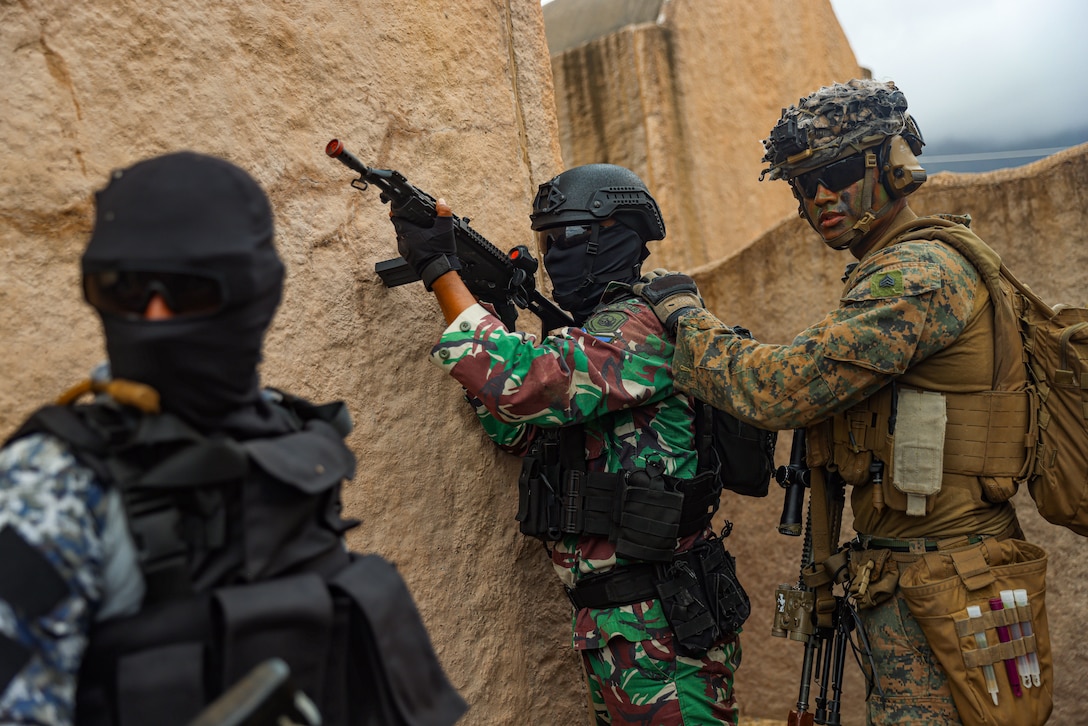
[887, 285]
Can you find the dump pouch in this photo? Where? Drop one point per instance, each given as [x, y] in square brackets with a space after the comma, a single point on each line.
[702, 598]
[939, 587]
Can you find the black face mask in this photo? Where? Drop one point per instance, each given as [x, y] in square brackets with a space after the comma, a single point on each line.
[579, 278]
[187, 213]
[204, 368]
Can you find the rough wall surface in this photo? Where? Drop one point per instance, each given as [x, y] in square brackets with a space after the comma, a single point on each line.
[684, 102]
[456, 96]
[1036, 218]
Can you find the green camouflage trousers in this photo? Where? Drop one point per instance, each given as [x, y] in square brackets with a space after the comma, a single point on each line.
[915, 687]
[648, 684]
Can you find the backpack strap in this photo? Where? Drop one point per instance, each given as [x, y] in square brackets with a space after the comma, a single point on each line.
[1008, 347]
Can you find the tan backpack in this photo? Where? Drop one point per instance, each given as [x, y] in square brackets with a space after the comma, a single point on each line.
[1054, 345]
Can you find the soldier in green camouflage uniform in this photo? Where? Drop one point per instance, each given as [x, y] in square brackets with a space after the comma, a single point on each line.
[913, 313]
[612, 376]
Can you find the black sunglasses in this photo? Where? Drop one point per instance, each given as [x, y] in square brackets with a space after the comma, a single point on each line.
[834, 177]
[127, 292]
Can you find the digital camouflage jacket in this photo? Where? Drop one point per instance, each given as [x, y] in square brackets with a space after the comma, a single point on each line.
[57, 508]
[906, 303]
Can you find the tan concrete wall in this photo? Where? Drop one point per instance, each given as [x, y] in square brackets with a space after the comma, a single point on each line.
[456, 96]
[685, 101]
[1036, 217]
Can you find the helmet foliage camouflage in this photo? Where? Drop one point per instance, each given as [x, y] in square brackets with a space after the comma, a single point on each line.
[595, 192]
[835, 122]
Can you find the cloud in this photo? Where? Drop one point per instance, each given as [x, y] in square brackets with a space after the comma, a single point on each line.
[978, 69]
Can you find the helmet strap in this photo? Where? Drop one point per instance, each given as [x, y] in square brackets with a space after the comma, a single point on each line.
[591, 253]
[862, 226]
[589, 277]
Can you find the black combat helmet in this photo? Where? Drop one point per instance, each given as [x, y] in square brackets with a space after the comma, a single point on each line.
[594, 192]
[593, 223]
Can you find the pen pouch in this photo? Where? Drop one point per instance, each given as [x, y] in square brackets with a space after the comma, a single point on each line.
[939, 587]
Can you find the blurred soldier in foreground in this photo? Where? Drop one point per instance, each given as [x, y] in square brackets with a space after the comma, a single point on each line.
[159, 542]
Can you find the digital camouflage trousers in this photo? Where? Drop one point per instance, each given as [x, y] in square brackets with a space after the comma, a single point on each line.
[915, 687]
[647, 684]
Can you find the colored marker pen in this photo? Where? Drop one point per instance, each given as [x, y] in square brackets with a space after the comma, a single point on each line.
[1010, 663]
[1021, 598]
[1009, 601]
[974, 611]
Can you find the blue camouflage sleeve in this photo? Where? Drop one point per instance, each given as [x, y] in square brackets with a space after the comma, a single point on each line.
[52, 513]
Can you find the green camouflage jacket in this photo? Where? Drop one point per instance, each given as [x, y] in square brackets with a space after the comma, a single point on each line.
[613, 376]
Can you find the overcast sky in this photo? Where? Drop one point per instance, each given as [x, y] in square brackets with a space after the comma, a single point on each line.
[1001, 74]
[999, 69]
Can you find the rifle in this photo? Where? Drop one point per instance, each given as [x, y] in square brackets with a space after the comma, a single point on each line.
[795, 605]
[795, 615]
[264, 697]
[492, 277]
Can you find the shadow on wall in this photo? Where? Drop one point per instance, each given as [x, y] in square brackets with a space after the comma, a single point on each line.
[1036, 218]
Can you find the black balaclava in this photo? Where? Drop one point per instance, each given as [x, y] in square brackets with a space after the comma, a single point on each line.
[186, 212]
[581, 273]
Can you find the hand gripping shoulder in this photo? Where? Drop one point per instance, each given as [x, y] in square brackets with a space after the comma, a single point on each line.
[669, 294]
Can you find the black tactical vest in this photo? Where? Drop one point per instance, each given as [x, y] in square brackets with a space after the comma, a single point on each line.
[240, 541]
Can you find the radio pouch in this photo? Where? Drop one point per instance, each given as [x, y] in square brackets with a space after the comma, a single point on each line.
[941, 588]
[919, 447]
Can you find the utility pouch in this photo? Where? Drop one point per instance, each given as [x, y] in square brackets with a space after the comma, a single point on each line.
[649, 516]
[538, 496]
[729, 601]
[918, 457]
[954, 596]
[873, 577]
[702, 598]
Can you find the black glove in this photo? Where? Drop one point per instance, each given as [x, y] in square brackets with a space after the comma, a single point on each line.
[669, 294]
[430, 251]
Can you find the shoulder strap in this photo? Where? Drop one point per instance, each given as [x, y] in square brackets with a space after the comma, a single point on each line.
[1008, 346]
[572, 448]
[704, 437]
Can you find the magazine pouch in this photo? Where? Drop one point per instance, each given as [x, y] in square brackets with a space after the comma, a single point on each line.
[949, 593]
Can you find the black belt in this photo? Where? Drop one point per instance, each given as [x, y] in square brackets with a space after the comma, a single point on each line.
[621, 586]
[917, 546]
[922, 544]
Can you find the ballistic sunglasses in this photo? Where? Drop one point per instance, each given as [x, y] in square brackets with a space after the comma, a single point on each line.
[565, 237]
[834, 177]
[128, 292]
